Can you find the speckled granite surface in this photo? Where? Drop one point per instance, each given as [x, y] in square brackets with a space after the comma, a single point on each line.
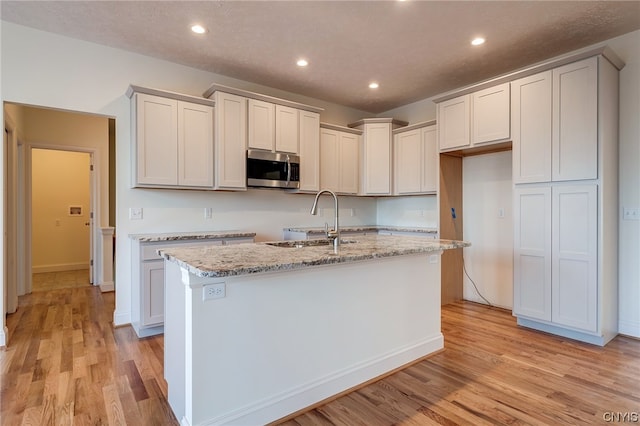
[363, 228]
[223, 261]
[198, 235]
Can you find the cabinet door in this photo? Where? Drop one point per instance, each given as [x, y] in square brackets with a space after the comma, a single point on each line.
[376, 159]
[348, 162]
[408, 162]
[491, 118]
[574, 263]
[531, 128]
[195, 145]
[453, 123]
[261, 132]
[575, 121]
[152, 298]
[286, 129]
[430, 159]
[329, 167]
[230, 141]
[156, 140]
[309, 151]
[532, 253]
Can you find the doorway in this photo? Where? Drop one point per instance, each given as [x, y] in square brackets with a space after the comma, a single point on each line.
[61, 219]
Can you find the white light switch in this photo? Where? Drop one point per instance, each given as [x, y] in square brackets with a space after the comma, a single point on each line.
[501, 212]
[208, 212]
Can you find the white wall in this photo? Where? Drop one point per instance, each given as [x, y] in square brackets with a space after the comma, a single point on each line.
[49, 70]
[487, 192]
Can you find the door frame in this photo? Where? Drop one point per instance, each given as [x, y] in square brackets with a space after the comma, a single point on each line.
[94, 197]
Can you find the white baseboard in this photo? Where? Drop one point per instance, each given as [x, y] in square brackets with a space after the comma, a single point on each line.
[283, 404]
[59, 267]
[4, 336]
[629, 328]
[107, 286]
[121, 318]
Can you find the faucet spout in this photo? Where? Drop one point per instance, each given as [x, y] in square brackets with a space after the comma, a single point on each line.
[335, 232]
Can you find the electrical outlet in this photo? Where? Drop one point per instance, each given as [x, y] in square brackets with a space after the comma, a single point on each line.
[208, 212]
[630, 213]
[213, 291]
[352, 212]
[135, 213]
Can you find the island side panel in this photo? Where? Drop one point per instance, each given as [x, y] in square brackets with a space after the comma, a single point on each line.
[175, 349]
[279, 342]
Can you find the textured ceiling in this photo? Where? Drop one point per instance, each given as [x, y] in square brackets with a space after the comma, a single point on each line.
[414, 49]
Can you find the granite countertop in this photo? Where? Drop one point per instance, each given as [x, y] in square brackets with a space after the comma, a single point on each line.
[363, 228]
[224, 261]
[196, 235]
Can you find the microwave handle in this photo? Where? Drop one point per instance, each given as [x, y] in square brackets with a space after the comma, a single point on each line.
[288, 170]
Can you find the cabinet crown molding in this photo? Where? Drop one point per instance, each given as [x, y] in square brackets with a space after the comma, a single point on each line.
[252, 95]
[604, 51]
[168, 94]
[414, 127]
[340, 128]
[393, 121]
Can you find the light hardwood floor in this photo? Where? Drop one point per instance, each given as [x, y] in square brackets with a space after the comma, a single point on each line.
[66, 364]
[45, 281]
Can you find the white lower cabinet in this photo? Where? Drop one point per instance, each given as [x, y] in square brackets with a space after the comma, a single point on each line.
[557, 284]
[147, 302]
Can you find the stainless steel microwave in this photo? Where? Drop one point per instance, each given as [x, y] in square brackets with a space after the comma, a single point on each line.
[272, 169]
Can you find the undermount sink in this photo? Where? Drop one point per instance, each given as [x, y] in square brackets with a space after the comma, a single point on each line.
[306, 243]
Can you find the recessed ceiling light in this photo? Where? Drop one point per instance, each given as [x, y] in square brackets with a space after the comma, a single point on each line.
[198, 29]
[302, 62]
[373, 85]
[478, 41]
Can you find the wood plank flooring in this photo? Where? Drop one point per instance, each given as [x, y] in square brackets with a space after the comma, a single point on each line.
[45, 281]
[493, 372]
[67, 365]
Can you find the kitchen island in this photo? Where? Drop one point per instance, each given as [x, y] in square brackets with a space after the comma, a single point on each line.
[256, 332]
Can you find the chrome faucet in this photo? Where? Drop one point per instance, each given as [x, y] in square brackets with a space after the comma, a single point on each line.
[333, 234]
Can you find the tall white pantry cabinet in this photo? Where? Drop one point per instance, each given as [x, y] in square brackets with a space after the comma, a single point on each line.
[565, 171]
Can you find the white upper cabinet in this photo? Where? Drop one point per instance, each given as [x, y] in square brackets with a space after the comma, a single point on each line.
[349, 165]
[339, 169]
[555, 124]
[407, 155]
[261, 125]
[453, 123]
[309, 151]
[475, 119]
[376, 159]
[286, 129]
[430, 159]
[490, 112]
[575, 121]
[416, 161]
[531, 128]
[173, 142]
[156, 140]
[230, 141]
[195, 145]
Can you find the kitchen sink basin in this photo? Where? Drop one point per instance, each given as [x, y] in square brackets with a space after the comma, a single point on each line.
[306, 243]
